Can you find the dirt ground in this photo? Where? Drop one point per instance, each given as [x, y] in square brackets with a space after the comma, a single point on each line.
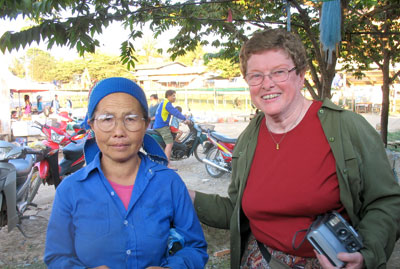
[17, 251]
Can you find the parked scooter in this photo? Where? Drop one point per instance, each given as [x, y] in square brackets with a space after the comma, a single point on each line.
[47, 166]
[19, 182]
[202, 149]
[72, 149]
[219, 158]
[194, 143]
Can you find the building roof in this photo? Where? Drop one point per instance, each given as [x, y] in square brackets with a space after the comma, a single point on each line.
[171, 70]
[156, 65]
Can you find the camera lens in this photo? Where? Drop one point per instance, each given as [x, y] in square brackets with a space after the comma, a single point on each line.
[342, 233]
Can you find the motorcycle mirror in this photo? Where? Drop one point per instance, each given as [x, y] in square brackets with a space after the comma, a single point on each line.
[14, 153]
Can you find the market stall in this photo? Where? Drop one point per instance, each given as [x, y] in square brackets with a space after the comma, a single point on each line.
[22, 127]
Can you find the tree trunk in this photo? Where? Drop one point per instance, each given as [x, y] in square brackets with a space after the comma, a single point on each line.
[327, 84]
[385, 97]
[385, 113]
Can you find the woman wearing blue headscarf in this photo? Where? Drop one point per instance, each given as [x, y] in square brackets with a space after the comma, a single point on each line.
[117, 211]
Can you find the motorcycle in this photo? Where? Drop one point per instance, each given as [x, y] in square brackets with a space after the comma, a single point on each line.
[19, 182]
[51, 170]
[76, 126]
[194, 143]
[47, 166]
[57, 134]
[219, 158]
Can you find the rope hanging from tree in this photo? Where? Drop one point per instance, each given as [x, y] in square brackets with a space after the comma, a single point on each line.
[330, 27]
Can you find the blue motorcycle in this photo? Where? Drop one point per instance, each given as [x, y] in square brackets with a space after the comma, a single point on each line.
[19, 182]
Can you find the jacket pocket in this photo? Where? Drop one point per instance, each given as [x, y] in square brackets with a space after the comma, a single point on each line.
[92, 220]
[156, 220]
[352, 171]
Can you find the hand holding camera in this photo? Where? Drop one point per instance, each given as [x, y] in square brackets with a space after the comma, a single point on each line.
[352, 260]
[332, 234]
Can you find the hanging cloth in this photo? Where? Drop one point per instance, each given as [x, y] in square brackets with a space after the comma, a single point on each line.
[288, 15]
[330, 27]
[286, 11]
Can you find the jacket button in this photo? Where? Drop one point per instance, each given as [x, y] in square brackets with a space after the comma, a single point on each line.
[321, 111]
[331, 139]
[345, 171]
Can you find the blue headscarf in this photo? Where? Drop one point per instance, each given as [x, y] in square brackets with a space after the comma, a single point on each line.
[113, 85]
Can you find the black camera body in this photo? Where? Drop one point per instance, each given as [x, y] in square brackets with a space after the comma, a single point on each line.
[332, 234]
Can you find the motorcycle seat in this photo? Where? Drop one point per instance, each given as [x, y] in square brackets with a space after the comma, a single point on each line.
[74, 148]
[223, 138]
[76, 126]
[23, 166]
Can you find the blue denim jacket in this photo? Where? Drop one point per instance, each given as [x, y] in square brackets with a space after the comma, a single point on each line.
[89, 226]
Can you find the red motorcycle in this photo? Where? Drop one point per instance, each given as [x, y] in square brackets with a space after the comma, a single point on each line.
[52, 171]
[219, 158]
[56, 132]
[47, 165]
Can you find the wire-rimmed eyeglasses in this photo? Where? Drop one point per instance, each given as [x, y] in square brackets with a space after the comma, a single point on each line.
[107, 122]
[277, 75]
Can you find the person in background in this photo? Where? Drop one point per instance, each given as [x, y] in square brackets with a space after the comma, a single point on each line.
[28, 105]
[118, 210]
[69, 107]
[296, 160]
[153, 109]
[163, 117]
[55, 105]
[39, 104]
[175, 126]
[14, 115]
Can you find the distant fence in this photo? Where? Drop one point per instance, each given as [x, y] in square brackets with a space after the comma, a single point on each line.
[235, 100]
[211, 99]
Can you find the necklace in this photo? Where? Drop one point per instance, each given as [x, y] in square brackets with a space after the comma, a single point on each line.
[284, 135]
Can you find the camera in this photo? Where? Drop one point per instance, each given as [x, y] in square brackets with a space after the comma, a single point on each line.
[331, 234]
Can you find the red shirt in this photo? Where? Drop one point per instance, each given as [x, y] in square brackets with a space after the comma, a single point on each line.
[287, 188]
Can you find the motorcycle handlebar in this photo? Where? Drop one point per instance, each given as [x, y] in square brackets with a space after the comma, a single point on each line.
[38, 123]
[32, 151]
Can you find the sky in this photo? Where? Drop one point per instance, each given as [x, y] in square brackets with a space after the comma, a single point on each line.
[110, 42]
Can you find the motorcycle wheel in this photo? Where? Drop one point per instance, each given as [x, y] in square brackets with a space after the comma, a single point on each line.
[201, 150]
[34, 185]
[215, 156]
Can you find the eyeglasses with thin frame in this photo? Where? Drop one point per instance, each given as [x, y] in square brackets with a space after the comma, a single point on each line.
[107, 122]
[277, 75]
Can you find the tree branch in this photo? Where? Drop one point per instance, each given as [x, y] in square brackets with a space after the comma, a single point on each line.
[392, 79]
[307, 27]
[379, 9]
[311, 90]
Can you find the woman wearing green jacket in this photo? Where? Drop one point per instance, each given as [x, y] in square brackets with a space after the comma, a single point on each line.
[297, 160]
